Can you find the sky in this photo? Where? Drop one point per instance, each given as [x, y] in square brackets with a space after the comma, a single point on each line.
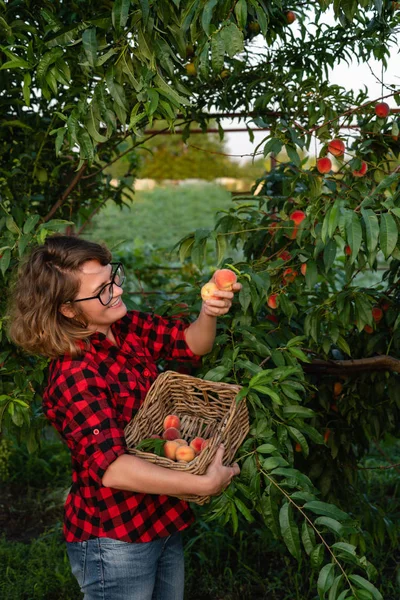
[354, 77]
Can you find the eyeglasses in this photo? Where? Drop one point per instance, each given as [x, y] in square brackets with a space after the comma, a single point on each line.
[105, 295]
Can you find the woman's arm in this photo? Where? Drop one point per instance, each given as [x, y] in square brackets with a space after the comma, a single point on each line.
[134, 474]
[200, 334]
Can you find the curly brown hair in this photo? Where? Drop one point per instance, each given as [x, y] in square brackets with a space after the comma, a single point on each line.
[46, 279]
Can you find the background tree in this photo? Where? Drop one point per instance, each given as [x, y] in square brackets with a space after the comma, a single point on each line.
[86, 76]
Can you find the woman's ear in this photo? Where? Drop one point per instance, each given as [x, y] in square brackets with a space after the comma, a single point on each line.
[67, 310]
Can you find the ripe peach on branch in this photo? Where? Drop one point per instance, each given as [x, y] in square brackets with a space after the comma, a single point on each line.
[382, 110]
[272, 301]
[336, 147]
[324, 165]
[361, 171]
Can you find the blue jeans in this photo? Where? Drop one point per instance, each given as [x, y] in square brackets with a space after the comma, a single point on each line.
[108, 569]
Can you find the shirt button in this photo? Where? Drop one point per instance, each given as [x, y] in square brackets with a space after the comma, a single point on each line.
[146, 373]
[96, 431]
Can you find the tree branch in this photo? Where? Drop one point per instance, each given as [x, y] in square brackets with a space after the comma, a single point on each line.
[375, 363]
[67, 192]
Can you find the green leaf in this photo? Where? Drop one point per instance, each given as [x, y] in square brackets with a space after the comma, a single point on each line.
[241, 13]
[333, 218]
[327, 510]
[371, 224]
[353, 233]
[31, 223]
[325, 579]
[289, 530]
[273, 462]
[89, 41]
[298, 411]
[263, 389]
[311, 274]
[244, 510]
[217, 374]
[233, 39]
[5, 261]
[245, 295]
[217, 52]
[266, 449]
[307, 537]
[207, 15]
[120, 13]
[335, 588]
[388, 234]
[329, 254]
[269, 511]
[26, 89]
[317, 556]
[331, 524]
[366, 585]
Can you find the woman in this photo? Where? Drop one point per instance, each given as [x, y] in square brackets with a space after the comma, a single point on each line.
[122, 522]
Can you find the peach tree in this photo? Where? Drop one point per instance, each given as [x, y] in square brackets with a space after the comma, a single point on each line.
[313, 345]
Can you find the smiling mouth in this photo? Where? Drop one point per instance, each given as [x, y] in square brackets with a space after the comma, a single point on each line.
[116, 303]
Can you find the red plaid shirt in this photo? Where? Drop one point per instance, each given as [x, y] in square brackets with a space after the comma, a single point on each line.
[89, 400]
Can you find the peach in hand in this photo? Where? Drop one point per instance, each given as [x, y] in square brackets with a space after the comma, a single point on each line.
[185, 454]
[171, 434]
[196, 444]
[208, 290]
[224, 279]
[171, 421]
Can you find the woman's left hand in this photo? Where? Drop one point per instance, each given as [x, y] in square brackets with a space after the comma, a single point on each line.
[221, 302]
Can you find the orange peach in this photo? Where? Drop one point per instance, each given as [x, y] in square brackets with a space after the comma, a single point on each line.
[171, 421]
[337, 388]
[208, 290]
[377, 314]
[196, 444]
[303, 268]
[171, 434]
[347, 250]
[272, 301]
[185, 454]
[170, 448]
[290, 17]
[224, 279]
[181, 442]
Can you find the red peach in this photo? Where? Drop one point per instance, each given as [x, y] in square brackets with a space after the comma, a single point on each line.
[324, 165]
[208, 290]
[171, 434]
[337, 388]
[327, 435]
[382, 109]
[185, 454]
[361, 171]
[347, 250]
[293, 233]
[289, 275]
[272, 301]
[285, 255]
[170, 448]
[272, 318]
[385, 305]
[171, 421]
[368, 329]
[224, 279]
[298, 216]
[303, 268]
[298, 447]
[196, 444]
[204, 444]
[377, 314]
[336, 147]
[155, 437]
[290, 17]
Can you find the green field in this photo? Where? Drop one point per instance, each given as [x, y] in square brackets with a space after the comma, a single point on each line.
[159, 218]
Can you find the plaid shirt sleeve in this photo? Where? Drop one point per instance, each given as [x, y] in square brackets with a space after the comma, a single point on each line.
[89, 423]
[164, 338]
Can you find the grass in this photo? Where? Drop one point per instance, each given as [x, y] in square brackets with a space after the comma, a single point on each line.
[159, 218]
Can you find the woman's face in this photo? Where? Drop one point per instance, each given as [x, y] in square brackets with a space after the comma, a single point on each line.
[93, 276]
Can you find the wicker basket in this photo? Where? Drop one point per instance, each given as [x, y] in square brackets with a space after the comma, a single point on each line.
[205, 408]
